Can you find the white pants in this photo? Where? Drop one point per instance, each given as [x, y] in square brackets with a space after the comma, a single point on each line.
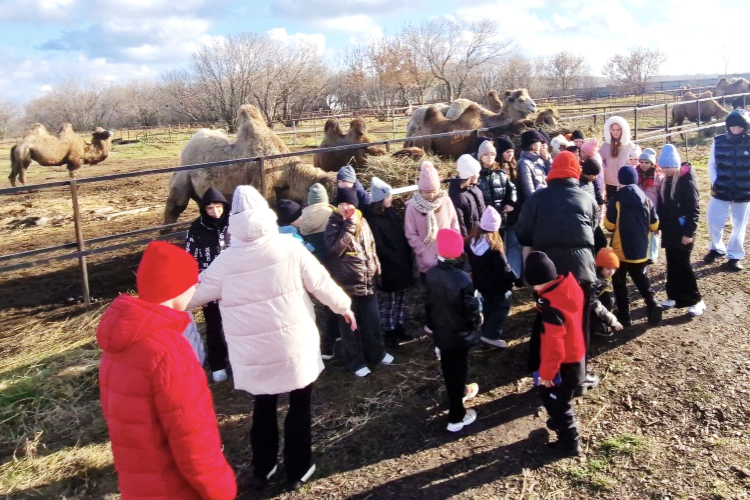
[717, 213]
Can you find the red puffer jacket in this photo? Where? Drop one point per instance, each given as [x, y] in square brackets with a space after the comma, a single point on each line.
[158, 408]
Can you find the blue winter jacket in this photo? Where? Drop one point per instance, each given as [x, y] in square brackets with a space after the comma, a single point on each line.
[633, 219]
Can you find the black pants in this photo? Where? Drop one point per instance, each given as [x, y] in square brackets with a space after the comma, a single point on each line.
[455, 365]
[588, 290]
[681, 284]
[557, 401]
[637, 273]
[217, 346]
[330, 332]
[264, 434]
[364, 345]
[610, 191]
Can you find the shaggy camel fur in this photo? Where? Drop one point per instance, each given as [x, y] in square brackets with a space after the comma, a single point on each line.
[689, 110]
[548, 117]
[417, 118]
[333, 136]
[517, 105]
[731, 87]
[287, 178]
[493, 101]
[67, 148]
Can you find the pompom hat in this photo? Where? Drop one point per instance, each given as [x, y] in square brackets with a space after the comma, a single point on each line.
[428, 177]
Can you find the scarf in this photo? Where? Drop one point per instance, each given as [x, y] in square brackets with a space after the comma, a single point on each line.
[428, 208]
[646, 179]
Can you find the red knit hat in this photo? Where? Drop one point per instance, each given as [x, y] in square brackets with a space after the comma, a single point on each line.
[450, 244]
[565, 166]
[607, 258]
[166, 271]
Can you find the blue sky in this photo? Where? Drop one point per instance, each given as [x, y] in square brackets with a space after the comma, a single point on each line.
[45, 41]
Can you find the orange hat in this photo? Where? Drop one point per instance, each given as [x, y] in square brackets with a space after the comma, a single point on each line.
[166, 271]
[607, 258]
[565, 166]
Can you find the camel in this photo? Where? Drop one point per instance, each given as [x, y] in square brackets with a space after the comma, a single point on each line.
[286, 178]
[494, 103]
[517, 105]
[66, 148]
[689, 110]
[417, 118]
[731, 87]
[548, 117]
[334, 136]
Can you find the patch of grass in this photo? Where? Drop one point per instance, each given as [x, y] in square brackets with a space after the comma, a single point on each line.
[625, 445]
[591, 475]
[148, 150]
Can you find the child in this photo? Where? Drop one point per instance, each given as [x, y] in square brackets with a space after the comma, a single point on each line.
[678, 211]
[353, 264]
[557, 350]
[454, 312]
[603, 322]
[288, 215]
[577, 137]
[396, 262]
[494, 182]
[615, 152]
[154, 394]
[507, 161]
[206, 239]
[347, 178]
[634, 155]
[467, 198]
[491, 275]
[590, 170]
[650, 175]
[633, 219]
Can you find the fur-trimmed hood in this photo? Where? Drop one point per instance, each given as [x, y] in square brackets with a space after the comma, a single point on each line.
[314, 218]
[623, 123]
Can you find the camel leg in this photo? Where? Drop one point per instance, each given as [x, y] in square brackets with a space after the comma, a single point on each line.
[178, 199]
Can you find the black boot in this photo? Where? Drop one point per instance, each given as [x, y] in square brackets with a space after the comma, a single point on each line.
[624, 319]
[389, 339]
[401, 334]
[566, 447]
[654, 311]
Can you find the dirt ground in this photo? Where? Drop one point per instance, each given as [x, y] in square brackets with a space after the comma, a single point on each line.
[668, 421]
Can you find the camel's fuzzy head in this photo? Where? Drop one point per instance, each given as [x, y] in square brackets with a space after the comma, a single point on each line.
[519, 100]
[101, 135]
[357, 128]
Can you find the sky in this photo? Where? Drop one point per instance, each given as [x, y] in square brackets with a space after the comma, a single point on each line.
[43, 42]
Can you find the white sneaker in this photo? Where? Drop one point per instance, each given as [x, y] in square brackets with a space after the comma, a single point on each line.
[387, 359]
[668, 304]
[494, 343]
[437, 353]
[471, 391]
[696, 309]
[363, 372]
[326, 357]
[219, 376]
[470, 417]
[427, 330]
[309, 473]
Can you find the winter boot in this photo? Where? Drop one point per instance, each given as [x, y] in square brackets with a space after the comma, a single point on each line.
[565, 446]
[624, 318]
[654, 311]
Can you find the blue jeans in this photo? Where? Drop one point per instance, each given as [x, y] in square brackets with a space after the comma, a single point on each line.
[513, 251]
[495, 309]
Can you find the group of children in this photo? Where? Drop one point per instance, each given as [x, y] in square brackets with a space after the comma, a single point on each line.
[468, 258]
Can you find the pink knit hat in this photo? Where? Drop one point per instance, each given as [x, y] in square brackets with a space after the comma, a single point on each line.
[491, 220]
[450, 244]
[429, 180]
[590, 147]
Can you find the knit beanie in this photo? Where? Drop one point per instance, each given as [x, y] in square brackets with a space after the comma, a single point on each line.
[288, 211]
[737, 118]
[166, 271]
[450, 244]
[484, 148]
[565, 166]
[379, 190]
[544, 136]
[538, 269]
[627, 175]
[428, 177]
[317, 194]
[607, 258]
[491, 220]
[247, 198]
[669, 157]
[346, 195]
[591, 167]
[467, 166]
[530, 137]
[648, 154]
[503, 144]
[635, 152]
[347, 174]
[577, 134]
[590, 147]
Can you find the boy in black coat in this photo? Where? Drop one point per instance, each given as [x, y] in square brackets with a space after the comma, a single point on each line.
[454, 311]
[206, 239]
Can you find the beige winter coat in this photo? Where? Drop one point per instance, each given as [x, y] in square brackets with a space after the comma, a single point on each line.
[262, 283]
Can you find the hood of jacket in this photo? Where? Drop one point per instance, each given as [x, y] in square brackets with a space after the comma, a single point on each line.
[212, 195]
[631, 196]
[253, 224]
[130, 319]
[622, 122]
[564, 293]
[314, 218]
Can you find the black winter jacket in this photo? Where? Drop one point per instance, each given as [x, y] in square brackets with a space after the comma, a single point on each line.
[207, 237]
[498, 190]
[490, 271]
[452, 307]
[560, 220]
[469, 204]
[732, 156]
[352, 260]
[532, 173]
[394, 252]
[592, 188]
[632, 218]
[678, 216]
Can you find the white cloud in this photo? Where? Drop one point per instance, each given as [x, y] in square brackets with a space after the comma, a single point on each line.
[317, 40]
[38, 11]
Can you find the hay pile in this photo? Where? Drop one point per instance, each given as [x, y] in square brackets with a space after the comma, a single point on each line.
[402, 172]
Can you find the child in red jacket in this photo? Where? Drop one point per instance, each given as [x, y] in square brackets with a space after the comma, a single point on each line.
[557, 352]
[155, 397]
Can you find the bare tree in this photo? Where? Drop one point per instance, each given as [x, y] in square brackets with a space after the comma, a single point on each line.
[631, 71]
[8, 112]
[726, 56]
[563, 70]
[84, 104]
[141, 102]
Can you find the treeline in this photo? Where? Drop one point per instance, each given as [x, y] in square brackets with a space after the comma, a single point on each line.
[438, 60]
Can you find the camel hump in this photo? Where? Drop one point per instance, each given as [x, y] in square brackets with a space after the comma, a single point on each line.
[433, 115]
[249, 112]
[332, 126]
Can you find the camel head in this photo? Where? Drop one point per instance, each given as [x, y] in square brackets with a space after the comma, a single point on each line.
[332, 129]
[247, 113]
[518, 103]
[100, 147]
[357, 131]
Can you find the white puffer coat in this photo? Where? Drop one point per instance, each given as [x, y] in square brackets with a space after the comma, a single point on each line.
[611, 164]
[262, 283]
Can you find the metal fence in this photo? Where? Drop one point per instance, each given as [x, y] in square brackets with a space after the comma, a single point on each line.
[45, 255]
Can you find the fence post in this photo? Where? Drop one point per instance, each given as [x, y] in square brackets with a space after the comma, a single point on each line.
[263, 176]
[394, 126]
[315, 131]
[666, 123]
[170, 132]
[687, 148]
[294, 128]
[79, 240]
[635, 123]
[699, 112]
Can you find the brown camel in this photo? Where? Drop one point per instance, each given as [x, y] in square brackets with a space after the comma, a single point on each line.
[333, 136]
[494, 103]
[286, 178]
[67, 148]
[734, 86]
[417, 118]
[690, 110]
[548, 117]
[517, 105]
